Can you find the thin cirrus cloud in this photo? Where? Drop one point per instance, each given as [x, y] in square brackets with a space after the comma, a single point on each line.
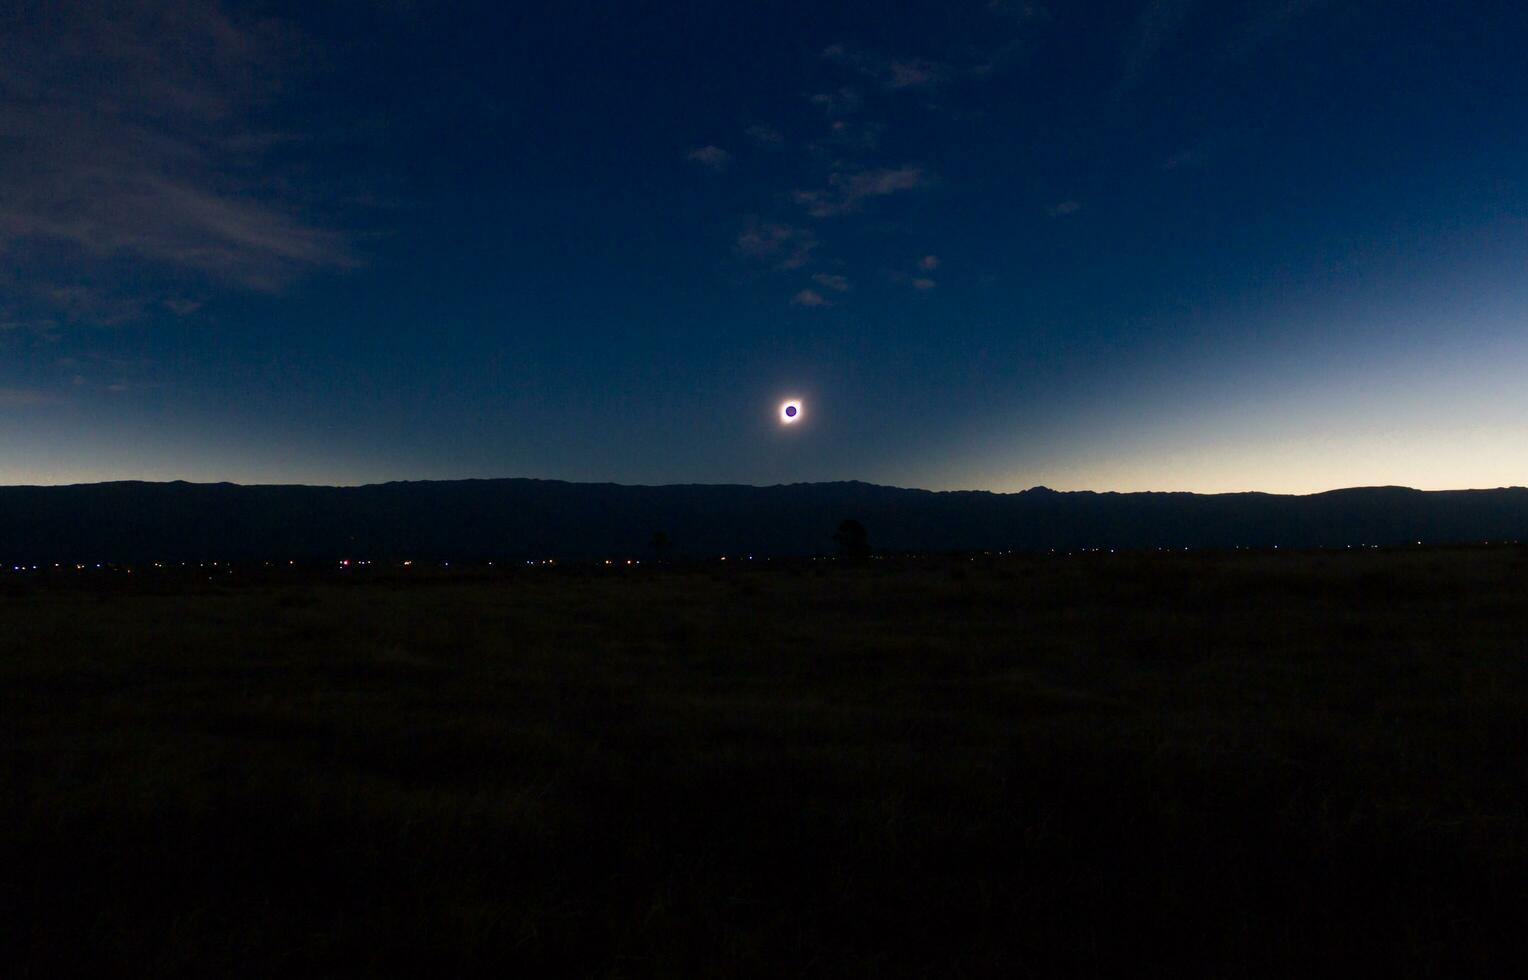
[126, 161]
[929, 263]
[711, 157]
[848, 192]
[1065, 208]
[839, 284]
[810, 298]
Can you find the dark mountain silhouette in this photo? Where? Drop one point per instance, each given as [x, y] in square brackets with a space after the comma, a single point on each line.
[465, 519]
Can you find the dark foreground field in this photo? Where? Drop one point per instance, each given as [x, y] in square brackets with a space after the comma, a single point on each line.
[1244, 765]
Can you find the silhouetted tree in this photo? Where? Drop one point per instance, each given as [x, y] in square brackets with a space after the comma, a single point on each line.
[659, 544]
[852, 540]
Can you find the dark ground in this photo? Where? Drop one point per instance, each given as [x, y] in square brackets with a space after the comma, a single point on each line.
[1236, 765]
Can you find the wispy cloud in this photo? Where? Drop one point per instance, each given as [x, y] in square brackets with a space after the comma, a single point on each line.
[841, 102]
[711, 157]
[856, 136]
[809, 298]
[764, 135]
[847, 192]
[181, 306]
[1019, 10]
[1161, 21]
[27, 398]
[1014, 44]
[1203, 152]
[127, 147]
[890, 72]
[1186, 159]
[97, 371]
[1065, 208]
[786, 246]
[81, 303]
[839, 284]
[1268, 24]
[878, 183]
[1158, 24]
[920, 280]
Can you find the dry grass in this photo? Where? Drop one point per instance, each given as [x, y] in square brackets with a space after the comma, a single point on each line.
[1246, 765]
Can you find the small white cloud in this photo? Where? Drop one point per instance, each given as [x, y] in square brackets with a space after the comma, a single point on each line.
[1065, 208]
[839, 284]
[711, 157]
[890, 72]
[818, 204]
[839, 103]
[878, 183]
[848, 191]
[809, 298]
[787, 246]
[929, 263]
[1190, 159]
[924, 284]
[911, 73]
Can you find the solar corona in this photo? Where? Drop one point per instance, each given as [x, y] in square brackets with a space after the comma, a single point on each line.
[790, 412]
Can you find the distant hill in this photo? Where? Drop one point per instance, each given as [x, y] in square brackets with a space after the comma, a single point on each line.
[463, 519]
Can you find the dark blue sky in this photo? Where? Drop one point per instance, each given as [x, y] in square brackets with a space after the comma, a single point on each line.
[1258, 244]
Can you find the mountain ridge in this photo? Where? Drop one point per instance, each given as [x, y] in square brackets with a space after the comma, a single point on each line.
[133, 520]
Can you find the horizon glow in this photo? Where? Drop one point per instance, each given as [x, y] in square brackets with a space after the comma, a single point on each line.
[1225, 257]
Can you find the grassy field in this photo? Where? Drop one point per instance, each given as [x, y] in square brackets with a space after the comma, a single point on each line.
[1236, 765]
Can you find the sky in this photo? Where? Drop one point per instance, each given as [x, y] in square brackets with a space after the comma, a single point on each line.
[1274, 245]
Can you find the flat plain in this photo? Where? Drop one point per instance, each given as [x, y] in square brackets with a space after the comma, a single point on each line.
[1243, 764]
